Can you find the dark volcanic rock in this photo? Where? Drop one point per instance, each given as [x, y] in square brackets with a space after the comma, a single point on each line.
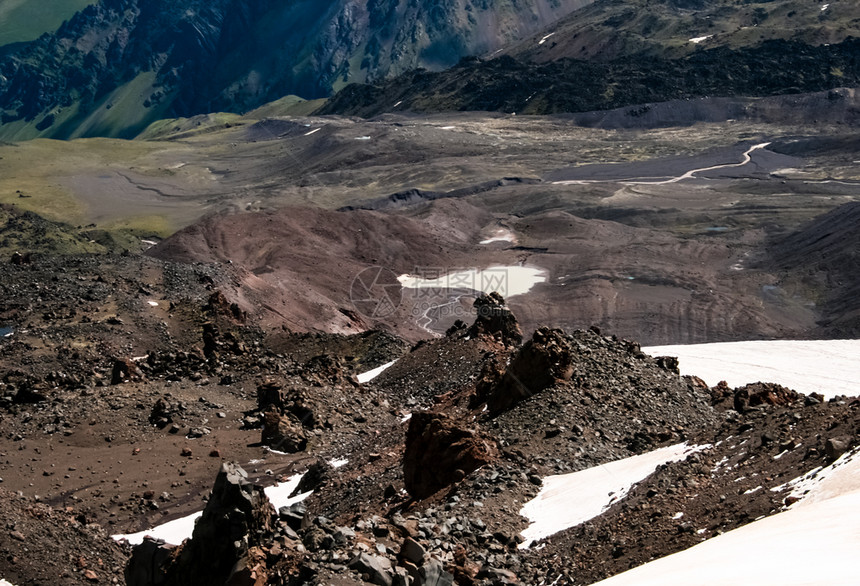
[495, 319]
[377, 568]
[148, 563]
[439, 453]
[544, 360]
[236, 518]
[318, 474]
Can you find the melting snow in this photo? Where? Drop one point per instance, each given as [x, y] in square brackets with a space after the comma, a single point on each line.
[825, 7]
[829, 367]
[698, 40]
[500, 235]
[176, 531]
[338, 463]
[313, 131]
[507, 280]
[543, 40]
[372, 374]
[567, 500]
[814, 542]
[5, 583]
[810, 482]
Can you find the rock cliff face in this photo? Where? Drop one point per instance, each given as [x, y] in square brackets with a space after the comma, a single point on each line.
[233, 55]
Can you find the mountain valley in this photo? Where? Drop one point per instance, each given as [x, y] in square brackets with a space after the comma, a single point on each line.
[462, 314]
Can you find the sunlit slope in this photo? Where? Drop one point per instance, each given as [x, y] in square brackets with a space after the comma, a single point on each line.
[25, 20]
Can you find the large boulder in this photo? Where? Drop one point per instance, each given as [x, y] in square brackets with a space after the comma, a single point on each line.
[440, 453]
[237, 518]
[494, 319]
[283, 433]
[148, 563]
[376, 568]
[542, 362]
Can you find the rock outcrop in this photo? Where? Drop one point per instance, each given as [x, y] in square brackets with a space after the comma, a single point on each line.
[236, 519]
[495, 319]
[440, 453]
[544, 360]
[283, 433]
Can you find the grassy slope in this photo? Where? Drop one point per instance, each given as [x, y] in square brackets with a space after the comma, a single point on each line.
[120, 114]
[26, 20]
[286, 106]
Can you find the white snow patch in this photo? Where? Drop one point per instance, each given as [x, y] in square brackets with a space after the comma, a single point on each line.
[720, 464]
[810, 483]
[279, 494]
[397, 104]
[697, 40]
[544, 40]
[507, 280]
[338, 463]
[752, 490]
[176, 531]
[153, 303]
[368, 376]
[406, 418]
[829, 367]
[568, 500]
[825, 7]
[447, 127]
[362, 138]
[500, 235]
[5, 583]
[678, 516]
[150, 242]
[313, 131]
[814, 542]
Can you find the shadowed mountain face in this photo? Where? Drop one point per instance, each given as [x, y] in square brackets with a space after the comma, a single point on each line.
[506, 84]
[144, 60]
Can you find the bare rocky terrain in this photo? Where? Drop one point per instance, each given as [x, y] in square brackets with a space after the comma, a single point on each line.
[98, 441]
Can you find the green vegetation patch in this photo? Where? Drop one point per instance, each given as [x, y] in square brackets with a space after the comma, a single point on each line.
[26, 20]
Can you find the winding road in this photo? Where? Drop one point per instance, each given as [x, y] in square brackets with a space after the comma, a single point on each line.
[746, 157]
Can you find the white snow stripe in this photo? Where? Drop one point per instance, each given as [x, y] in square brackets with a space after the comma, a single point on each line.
[568, 500]
[368, 376]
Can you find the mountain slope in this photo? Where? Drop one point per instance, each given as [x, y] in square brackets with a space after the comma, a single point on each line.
[569, 85]
[22, 21]
[151, 59]
[608, 29]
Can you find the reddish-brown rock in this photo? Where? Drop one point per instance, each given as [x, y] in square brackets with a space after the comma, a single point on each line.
[439, 453]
